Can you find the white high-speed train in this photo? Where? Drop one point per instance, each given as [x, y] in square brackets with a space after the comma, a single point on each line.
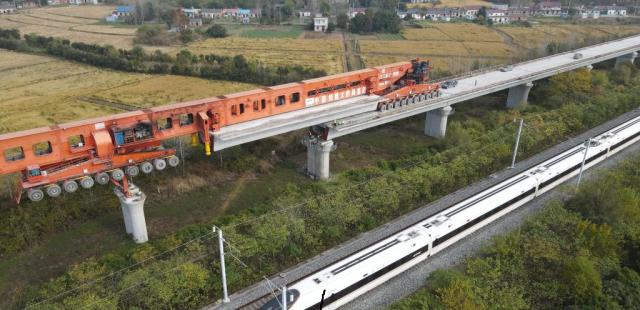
[364, 270]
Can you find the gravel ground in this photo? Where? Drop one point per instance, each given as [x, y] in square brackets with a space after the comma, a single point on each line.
[414, 278]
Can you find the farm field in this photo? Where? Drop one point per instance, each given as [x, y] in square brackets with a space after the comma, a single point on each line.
[538, 36]
[323, 54]
[455, 47]
[39, 91]
[468, 32]
[76, 23]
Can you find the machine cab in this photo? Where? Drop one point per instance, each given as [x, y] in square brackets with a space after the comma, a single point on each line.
[34, 174]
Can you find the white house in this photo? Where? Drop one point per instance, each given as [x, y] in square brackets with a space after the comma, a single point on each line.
[497, 16]
[303, 14]
[191, 13]
[195, 22]
[549, 8]
[211, 13]
[470, 12]
[79, 2]
[355, 11]
[320, 23]
[612, 11]
[7, 8]
[499, 6]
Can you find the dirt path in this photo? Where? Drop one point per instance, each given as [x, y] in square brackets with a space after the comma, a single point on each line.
[353, 58]
[234, 192]
[508, 39]
[345, 54]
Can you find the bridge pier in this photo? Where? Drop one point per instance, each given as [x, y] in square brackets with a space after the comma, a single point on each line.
[435, 124]
[133, 213]
[589, 67]
[518, 95]
[318, 151]
[628, 58]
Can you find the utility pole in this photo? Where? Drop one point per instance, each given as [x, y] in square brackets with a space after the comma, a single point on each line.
[284, 297]
[584, 159]
[225, 296]
[515, 149]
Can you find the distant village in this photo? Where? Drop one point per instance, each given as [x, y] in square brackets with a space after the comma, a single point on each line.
[495, 13]
[503, 13]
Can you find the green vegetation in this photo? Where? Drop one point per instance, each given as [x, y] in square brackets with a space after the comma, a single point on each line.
[155, 35]
[272, 32]
[316, 216]
[580, 254]
[216, 31]
[378, 21]
[236, 68]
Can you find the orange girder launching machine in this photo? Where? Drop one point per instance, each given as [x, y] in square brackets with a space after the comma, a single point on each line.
[107, 149]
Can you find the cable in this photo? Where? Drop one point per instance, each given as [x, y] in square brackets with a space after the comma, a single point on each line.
[147, 280]
[92, 282]
[285, 209]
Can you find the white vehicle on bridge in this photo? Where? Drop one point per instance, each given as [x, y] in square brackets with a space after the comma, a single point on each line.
[361, 271]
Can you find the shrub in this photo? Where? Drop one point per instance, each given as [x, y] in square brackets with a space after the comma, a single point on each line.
[216, 31]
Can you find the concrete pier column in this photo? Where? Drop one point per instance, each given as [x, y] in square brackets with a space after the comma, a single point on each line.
[323, 150]
[436, 122]
[318, 151]
[589, 67]
[133, 213]
[628, 58]
[518, 95]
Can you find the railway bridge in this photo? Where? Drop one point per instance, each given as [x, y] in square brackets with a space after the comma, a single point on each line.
[106, 150]
[356, 114]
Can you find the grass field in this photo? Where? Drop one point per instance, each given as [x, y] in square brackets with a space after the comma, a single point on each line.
[38, 91]
[323, 54]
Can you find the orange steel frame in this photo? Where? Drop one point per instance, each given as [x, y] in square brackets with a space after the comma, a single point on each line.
[99, 151]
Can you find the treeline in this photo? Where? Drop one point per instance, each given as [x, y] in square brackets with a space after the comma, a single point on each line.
[580, 254]
[236, 68]
[330, 213]
[375, 21]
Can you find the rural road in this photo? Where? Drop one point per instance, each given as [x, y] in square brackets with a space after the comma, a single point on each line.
[414, 278]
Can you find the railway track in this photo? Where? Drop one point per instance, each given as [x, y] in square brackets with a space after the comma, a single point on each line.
[255, 296]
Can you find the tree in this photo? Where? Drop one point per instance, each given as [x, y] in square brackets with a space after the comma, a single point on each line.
[216, 31]
[186, 36]
[178, 19]
[149, 12]
[580, 279]
[386, 21]
[571, 83]
[325, 8]
[331, 27]
[342, 20]
[362, 23]
[153, 35]
[458, 295]
[482, 14]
